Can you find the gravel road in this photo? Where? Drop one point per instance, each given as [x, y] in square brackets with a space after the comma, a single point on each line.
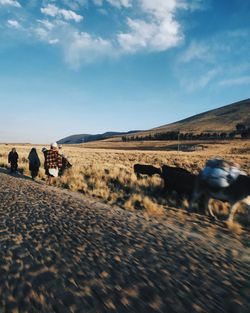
[61, 252]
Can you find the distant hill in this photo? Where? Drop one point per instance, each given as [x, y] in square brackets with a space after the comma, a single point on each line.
[81, 138]
[223, 119]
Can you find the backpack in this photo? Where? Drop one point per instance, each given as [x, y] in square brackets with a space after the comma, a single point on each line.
[219, 173]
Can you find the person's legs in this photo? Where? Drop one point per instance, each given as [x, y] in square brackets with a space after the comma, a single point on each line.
[61, 171]
[50, 180]
[13, 167]
[34, 173]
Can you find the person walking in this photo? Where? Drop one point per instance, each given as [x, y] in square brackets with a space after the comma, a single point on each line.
[53, 162]
[13, 160]
[65, 162]
[34, 163]
[65, 165]
[44, 151]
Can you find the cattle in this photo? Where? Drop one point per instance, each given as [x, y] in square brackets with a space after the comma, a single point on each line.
[144, 169]
[236, 193]
[179, 180]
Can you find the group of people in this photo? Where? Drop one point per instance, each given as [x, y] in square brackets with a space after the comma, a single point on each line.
[55, 163]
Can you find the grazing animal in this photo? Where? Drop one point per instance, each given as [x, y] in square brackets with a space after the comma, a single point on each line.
[144, 169]
[237, 192]
[178, 179]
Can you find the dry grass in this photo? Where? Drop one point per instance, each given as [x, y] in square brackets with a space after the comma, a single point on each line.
[234, 227]
[108, 174]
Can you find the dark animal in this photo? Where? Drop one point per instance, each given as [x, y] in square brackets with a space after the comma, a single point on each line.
[178, 179]
[237, 192]
[144, 169]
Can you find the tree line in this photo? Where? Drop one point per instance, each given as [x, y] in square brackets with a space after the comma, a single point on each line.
[241, 130]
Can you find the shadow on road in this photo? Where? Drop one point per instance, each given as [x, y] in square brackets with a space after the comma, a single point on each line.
[17, 175]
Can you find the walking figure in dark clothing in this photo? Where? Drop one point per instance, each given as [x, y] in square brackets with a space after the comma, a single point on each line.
[34, 163]
[65, 165]
[13, 160]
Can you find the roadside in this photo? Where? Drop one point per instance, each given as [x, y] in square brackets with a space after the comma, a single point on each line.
[63, 252]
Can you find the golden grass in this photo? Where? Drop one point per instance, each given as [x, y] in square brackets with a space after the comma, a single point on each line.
[108, 174]
[235, 227]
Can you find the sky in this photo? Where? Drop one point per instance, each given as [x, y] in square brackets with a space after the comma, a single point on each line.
[90, 66]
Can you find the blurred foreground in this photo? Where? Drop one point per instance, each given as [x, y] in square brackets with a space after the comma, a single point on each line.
[62, 252]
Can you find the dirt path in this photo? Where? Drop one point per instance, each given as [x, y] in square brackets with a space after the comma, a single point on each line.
[60, 252]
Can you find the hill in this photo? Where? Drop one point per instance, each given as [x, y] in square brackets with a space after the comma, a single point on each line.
[223, 119]
[81, 138]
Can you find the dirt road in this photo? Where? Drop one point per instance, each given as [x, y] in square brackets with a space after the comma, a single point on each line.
[61, 252]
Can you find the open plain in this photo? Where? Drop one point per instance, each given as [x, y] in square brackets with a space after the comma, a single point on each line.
[104, 169]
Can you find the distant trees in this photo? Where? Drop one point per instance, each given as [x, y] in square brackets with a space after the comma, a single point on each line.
[240, 127]
[241, 130]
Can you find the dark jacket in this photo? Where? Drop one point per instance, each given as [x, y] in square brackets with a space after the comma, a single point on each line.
[13, 157]
[34, 161]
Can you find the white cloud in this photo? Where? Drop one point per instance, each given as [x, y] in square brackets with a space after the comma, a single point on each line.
[77, 47]
[12, 3]
[70, 15]
[196, 51]
[50, 10]
[48, 31]
[218, 49]
[198, 5]
[221, 60]
[151, 36]
[54, 11]
[120, 3]
[244, 80]
[157, 31]
[103, 11]
[205, 79]
[14, 24]
[54, 41]
[115, 3]
[83, 48]
[159, 8]
[47, 24]
[41, 33]
[199, 80]
[150, 26]
[76, 4]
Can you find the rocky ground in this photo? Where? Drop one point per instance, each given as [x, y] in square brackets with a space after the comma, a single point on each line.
[61, 252]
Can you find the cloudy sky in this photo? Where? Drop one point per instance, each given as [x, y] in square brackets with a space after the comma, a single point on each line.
[90, 66]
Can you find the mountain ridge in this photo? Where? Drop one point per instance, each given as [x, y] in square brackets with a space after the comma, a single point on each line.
[222, 119]
[81, 138]
[237, 112]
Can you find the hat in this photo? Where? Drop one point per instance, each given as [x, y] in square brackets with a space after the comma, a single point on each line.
[44, 149]
[54, 145]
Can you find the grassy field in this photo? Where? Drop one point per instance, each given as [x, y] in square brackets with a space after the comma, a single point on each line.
[102, 170]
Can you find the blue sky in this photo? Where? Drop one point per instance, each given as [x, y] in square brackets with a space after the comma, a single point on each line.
[90, 66]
